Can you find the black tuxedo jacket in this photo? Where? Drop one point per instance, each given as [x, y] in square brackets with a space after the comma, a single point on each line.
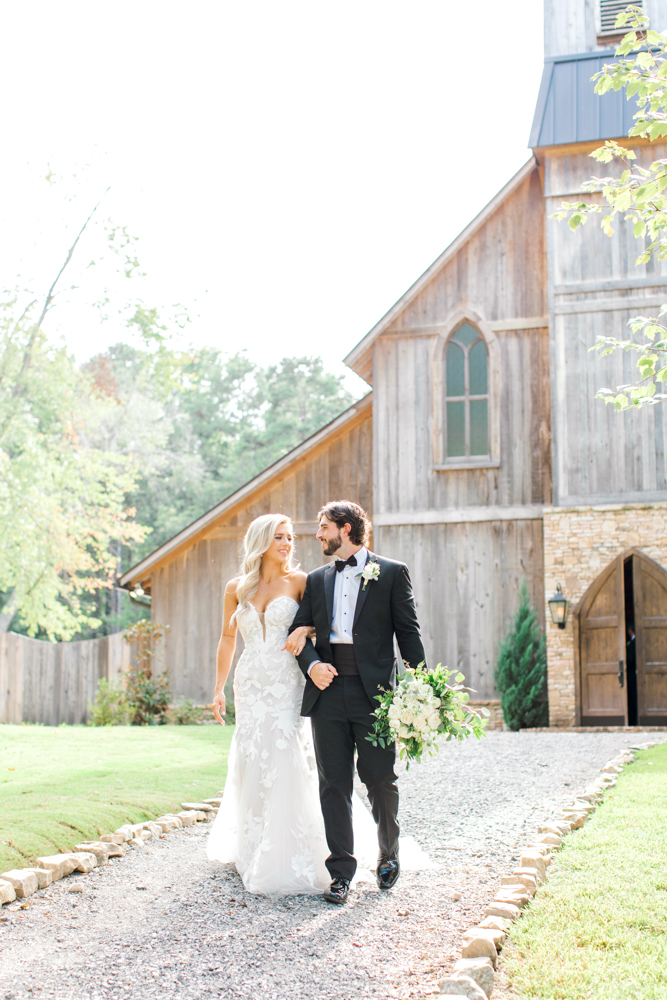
[384, 609]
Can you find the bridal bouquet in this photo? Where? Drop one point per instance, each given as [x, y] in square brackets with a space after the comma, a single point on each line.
[423, 707]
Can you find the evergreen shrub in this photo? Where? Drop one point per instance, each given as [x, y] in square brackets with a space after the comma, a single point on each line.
[521, 670]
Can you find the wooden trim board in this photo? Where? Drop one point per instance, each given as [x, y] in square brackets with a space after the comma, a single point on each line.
[459, 515]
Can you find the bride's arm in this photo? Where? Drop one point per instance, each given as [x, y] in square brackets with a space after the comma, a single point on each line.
[296, 640]
[226, 648]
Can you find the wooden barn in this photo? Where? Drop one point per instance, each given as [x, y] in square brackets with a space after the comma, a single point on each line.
[481, 453]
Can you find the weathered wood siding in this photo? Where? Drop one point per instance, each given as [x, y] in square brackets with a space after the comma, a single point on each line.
[187, 590]
[466, 579]
[571, 26]
[599, 456]
[54, 682]
[467, 575]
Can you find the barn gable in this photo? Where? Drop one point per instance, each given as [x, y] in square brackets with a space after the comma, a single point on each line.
[403, 313]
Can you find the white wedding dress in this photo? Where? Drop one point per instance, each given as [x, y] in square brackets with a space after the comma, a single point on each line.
[269, 823]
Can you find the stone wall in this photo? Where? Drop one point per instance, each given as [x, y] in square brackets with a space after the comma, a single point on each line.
[496, 720]
[578, 543]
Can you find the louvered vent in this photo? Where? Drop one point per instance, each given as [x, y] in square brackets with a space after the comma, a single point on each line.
[609, 11]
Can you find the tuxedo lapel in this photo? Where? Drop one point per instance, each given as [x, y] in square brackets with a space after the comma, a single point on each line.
[363, 593]
[329, 581]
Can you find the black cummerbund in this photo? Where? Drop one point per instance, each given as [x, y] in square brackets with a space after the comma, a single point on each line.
[344, 659]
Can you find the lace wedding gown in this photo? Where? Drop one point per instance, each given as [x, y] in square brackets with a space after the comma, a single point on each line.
[270, 824]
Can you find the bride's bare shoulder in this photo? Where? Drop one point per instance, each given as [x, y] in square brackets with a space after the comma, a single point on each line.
[298, 580]
[232, 585]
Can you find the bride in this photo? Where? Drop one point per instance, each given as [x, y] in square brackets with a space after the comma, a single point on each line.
[269, 823]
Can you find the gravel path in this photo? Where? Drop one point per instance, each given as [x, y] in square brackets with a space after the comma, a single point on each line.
[165, 922]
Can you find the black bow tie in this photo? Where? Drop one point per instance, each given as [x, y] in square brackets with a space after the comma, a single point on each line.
[342, 563]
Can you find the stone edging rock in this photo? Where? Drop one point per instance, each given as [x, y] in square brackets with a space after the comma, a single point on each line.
[473, 975]
[19, 883]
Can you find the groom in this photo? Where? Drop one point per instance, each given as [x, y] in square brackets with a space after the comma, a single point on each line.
[356, 605]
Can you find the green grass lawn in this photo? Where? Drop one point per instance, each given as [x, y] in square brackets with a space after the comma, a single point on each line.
[598, 929]
[60, 786]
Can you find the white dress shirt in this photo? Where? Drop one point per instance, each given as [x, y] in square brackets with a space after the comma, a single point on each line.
[346, 591]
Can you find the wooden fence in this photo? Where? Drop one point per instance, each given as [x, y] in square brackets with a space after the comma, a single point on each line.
[53, 682]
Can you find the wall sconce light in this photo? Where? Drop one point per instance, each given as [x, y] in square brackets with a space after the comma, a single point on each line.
[558, 607]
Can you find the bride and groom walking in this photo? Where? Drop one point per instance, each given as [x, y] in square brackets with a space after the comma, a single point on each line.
[338, 626]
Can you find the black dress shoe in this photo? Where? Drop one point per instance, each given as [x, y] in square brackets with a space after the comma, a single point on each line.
[338, 891]
[387, 872]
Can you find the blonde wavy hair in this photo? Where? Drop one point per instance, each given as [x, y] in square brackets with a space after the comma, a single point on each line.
[257, 541]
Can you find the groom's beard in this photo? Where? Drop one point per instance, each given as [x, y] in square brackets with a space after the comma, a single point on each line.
[331, 545]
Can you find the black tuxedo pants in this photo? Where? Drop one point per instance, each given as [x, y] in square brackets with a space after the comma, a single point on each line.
[342, 719]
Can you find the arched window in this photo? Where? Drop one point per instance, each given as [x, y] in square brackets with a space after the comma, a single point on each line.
[466, 383]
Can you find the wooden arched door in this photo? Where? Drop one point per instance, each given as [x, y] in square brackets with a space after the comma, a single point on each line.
[599, 622]
[649, 585]
[628, 599]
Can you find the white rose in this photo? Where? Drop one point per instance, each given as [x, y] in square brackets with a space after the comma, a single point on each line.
[404, 732]
[434, 720]
[394, 711]
[407, 717]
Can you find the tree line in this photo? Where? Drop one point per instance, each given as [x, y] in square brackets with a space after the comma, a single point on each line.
[102, 462]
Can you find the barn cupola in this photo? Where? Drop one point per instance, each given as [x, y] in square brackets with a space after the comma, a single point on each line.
[579, 37]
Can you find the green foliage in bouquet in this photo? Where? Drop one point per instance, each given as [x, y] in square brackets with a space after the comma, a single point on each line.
[423, 707]
[522, 668]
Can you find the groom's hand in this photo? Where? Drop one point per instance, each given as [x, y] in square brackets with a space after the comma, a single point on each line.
[322, 674]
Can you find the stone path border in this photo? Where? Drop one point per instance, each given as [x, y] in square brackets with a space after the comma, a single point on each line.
[473, 975]
[19, 883]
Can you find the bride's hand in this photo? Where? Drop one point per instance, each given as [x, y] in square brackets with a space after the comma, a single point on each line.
[297, 640]
[219, 707]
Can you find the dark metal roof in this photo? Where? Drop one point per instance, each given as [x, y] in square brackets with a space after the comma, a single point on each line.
[569, 110]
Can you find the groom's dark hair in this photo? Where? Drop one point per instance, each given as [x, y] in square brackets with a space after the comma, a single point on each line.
[341, 512]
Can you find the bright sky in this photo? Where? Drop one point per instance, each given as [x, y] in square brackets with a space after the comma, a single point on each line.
[290, 168]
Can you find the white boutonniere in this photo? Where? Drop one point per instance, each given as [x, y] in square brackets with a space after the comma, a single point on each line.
[371, 571]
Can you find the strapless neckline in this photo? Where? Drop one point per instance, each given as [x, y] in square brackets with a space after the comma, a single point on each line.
[283, 597]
